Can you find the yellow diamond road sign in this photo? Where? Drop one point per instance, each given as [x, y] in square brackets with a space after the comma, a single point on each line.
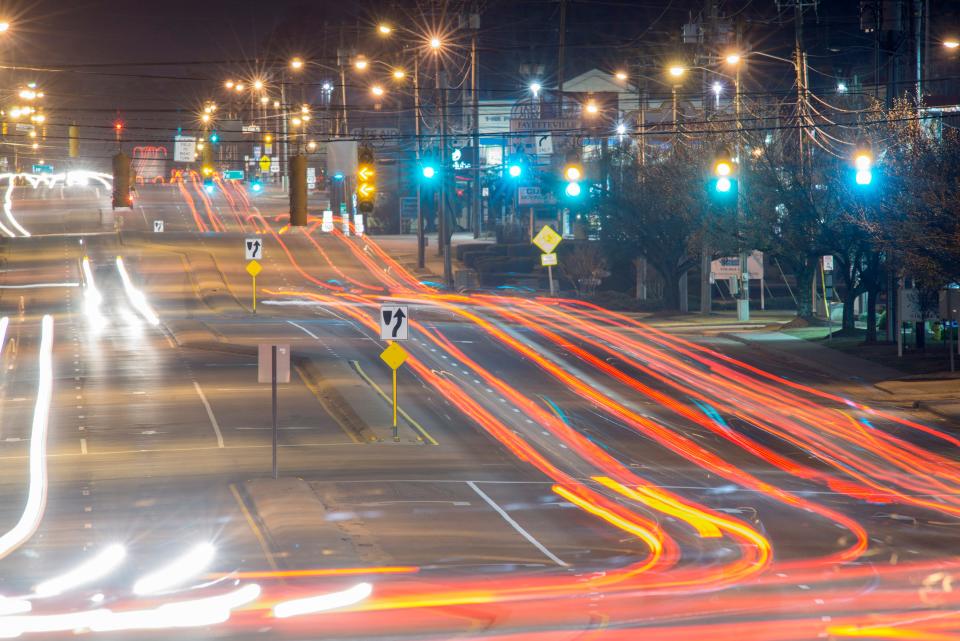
[264, 163]
[547, 240]
[254, 268]
[394, 355]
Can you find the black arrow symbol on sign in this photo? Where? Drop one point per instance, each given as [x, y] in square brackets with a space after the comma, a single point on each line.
[255, 246]
[399, 316]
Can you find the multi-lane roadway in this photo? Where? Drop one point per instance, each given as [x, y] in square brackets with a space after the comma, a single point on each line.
[561, 471]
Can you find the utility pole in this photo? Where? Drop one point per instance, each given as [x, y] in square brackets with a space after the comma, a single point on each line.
[560, 56]
[475, 207]
[418, 149]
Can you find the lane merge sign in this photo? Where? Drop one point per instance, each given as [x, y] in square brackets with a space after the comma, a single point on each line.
[253, 248]
[394, 323]
[158, 226]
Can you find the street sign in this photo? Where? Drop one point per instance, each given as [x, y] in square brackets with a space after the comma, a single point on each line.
[184, 148]
[264, 353]
[828, 263]
[43, 169]
[233, 174]
[253, 248]
[264, 163]
[327, 224]
[547, 239]
[394, 356]
[534, 196]
[254, 268]
[158, 226]
[275, 165]
[394, 322]
[548, 260]
[311, 177]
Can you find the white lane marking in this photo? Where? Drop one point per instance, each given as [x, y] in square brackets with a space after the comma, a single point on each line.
[213, 419]
[83, 446]
[516, 526]
[307, 331]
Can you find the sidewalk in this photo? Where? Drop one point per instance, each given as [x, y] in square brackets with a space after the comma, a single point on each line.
[940, 395]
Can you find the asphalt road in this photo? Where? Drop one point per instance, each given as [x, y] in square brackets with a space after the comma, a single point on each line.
[555, 467]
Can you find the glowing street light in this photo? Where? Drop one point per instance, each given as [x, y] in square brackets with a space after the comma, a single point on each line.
[205, 118]
[264, 100]
[621, 129]
[717, 89]
[4, 26]
[621, 75]
[592, 108]
[384, 29]
[676, 71]
[841, 87]
[399, 74]
[258, 84]
[296, 63]
[240, 87]
[361, 64]
[951, 43]
[435, 43]
[535, 89]
[228, 84]
[376, 90]
[312, 145]
[733, 59]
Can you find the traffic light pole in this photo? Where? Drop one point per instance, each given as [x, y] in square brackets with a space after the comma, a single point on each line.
[418, 147]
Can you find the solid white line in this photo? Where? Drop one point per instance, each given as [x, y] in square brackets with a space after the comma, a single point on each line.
[36, 285]
[213, 419]
[309, 333]
[516, 526]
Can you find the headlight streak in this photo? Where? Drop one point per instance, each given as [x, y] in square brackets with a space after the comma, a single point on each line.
[70, 178]
[92, 298]
[323, 602]
[37, 493]
[135, 296]
[190, 565]
[87, 572]
[177, 614]
[10, 606]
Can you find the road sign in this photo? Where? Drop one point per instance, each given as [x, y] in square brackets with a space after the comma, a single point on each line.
[264, 356]
[327, 224]
[233, 174]
[264, 163]
[158, 226]
[394, 355]
[43, 169]
[253, 248]
[394, 322]
[254, 268]
[548, 260]
[311, 177]
[828, 263]
[184, 148]
[547, 239]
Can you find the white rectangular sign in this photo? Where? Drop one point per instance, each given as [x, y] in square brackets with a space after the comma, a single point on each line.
[253, 248]
[158, 226]
[548, 260]
[358, 224]
[828, 263]
[327, 225]
[265, 364]
[311, 177]
[394, 322]
[729, 267]
[184, 148]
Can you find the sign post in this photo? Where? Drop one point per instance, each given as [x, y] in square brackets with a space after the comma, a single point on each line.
[394, 326]
[827, 274]
[279, 372]
[394, 356]
[547, 240]
[253, 250]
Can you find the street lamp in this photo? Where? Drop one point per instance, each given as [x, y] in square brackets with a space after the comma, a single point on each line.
[399, 74]
[676, 71]
[951, 43]
[4, 26]
[733, 58]
[535, 89]
[591, 107]
[228, 84]
[384, 29]
[296, 63]
[435, 43]
[621, 75]
[361, 63]
[377, 90]
[258, 84]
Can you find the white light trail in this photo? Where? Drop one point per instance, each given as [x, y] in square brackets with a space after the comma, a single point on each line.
[37, 493]
[99, 566]
[181, 614]
[135, 296]
[323, 602]
[186, 567]
[4, 324]
[70, 178]
[14, 606]
[92, 298]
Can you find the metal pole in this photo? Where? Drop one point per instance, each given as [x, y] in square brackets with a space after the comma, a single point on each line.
[421, 259]
[286, 145]
[343, 97]
[276, 428]
[396, 432]
[743, 301]
[550, 276]
[440, 209]
[475, 99]
[444, 213]
[560, 56]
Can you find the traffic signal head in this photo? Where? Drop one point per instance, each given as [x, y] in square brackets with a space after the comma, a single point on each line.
[214, 137]
[515, 170]
[366, 180]
[208, 186]
[863, 163]
[572, 172]
[724, 173]
[256, 186]
[572, 190]
[429, 171]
